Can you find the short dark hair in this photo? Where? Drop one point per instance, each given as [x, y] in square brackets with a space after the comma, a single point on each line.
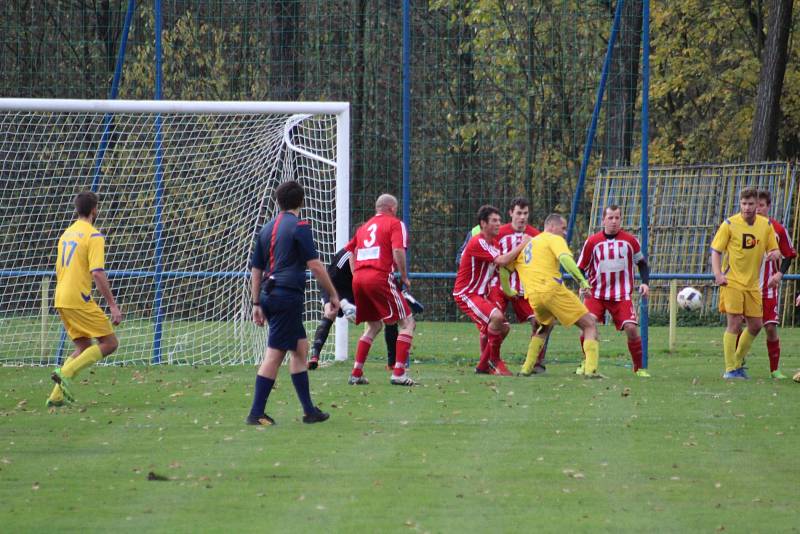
[553, 217]
[766, 196]
[522, 202]
[85, 202]
[289, 195]
[748, 193]
[486, 211]
[610, 207]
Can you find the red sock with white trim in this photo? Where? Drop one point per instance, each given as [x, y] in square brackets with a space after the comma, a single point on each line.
[774, 352]
[635, 348]
[403, 347]
[362, 350]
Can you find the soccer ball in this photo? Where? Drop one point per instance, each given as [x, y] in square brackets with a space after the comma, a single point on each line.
[796, 376]
[690, 299]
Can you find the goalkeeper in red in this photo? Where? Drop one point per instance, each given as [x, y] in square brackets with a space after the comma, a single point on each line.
[737, 252]
[81, 260]
[771, 274]
[608, 258]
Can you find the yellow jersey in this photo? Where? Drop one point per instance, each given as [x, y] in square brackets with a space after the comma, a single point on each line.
[80, 252]
[537, 265]
[743, 247]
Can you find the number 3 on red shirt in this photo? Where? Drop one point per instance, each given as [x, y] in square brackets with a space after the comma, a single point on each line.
[371, 241]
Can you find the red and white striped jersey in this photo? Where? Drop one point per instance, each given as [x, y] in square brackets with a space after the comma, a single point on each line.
[608, 263]
[768, 268]
[476, 267]
[507, 239]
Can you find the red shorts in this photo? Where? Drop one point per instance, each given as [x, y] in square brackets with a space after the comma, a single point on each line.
[522, 308]
[621, 310]
[378, 299]
[477, 308]
[770, 309]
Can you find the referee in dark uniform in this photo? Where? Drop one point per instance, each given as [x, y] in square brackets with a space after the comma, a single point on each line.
[283, 250]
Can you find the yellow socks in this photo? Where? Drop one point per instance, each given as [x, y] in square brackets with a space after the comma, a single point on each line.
[88, 357]
[56, 395]
[534, 347]
[745, 342]
[729, 350]
[592, 350]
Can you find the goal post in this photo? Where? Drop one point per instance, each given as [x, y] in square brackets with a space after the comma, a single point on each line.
[184, 187]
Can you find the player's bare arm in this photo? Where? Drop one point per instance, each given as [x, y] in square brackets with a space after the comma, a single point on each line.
[399, 256]
[101, 281]
[716, 268]
[321, 274]
[255, 290]
[504, 260]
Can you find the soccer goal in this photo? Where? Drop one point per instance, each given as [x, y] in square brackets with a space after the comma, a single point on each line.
[184, 187]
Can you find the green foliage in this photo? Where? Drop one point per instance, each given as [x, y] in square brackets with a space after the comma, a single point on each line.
[704, 80]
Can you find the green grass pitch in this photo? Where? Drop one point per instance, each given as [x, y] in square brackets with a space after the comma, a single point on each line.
[683, 451]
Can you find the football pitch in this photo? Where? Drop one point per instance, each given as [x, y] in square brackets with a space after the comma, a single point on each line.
[164, 449]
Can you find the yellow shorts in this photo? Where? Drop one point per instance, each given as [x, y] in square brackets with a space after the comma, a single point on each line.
[745, 302]
[559, 303]
[85, 322]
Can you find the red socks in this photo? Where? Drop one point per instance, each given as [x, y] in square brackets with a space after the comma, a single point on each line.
[635, 348]
[403, 347]
[362, 350]
[774, 351]
[493, 344]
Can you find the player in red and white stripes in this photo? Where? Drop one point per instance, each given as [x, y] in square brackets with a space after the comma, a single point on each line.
[506, 288]
[378, 247]
[771, 274]
[608, 258]
[476, 269]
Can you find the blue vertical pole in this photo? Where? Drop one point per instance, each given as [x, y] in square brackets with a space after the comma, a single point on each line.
[101, 150]
[407, 117]
[159, 176]
[587, 149]
[645, 158]
[407, 125]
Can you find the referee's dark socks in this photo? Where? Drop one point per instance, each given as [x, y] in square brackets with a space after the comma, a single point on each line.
[263, 388]
[321, 335]
[390, 335]
[300, 381]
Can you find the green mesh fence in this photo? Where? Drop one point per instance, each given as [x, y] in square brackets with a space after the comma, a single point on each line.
[501, 92]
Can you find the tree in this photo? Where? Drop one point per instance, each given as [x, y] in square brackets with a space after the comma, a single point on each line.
[623, 86]
[286, 40]
[766, 119]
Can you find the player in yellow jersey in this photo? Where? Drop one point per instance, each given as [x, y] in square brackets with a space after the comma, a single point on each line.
[538, 269]
[81, 260]
[743, 239]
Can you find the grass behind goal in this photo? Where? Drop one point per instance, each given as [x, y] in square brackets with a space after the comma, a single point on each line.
[683, 451]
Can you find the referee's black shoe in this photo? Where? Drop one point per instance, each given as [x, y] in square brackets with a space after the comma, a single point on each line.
[260, 420]
[317, 416]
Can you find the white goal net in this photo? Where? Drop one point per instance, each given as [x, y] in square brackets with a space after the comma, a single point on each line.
[184, 187]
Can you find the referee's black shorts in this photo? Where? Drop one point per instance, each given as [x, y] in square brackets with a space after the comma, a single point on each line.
[283, 309]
